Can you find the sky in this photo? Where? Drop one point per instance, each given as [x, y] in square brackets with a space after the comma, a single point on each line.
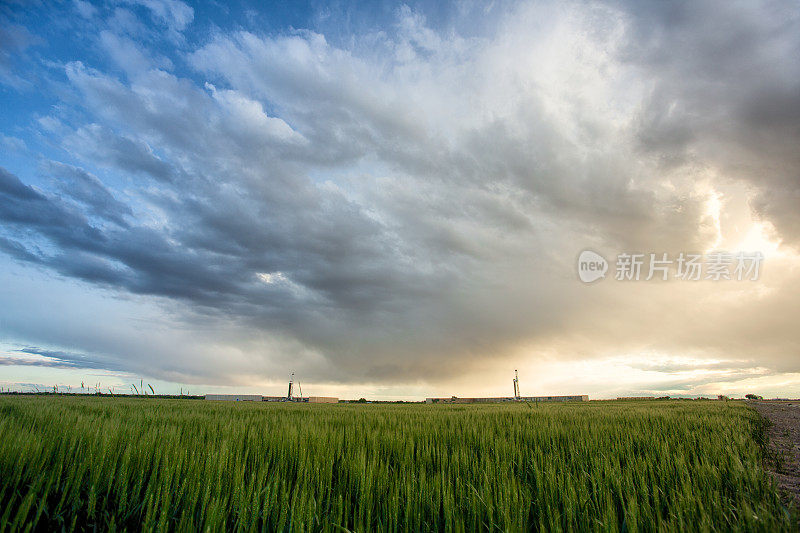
[390, 200]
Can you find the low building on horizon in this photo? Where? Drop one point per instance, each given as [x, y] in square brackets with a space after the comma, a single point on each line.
[534, 399]
[234, 397]
[260, 398]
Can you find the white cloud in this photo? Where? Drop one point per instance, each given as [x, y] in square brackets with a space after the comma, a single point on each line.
[12, 143]
[174, 13]
[84, 9]
[247, 117]
[128, 56]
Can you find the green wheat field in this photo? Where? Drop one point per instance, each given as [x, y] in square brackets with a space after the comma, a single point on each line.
[80, 463]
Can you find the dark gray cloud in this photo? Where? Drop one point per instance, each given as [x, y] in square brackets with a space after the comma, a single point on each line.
[17, 250]
[104, 147]
[725, 94]
[88, 190]
[25, 208]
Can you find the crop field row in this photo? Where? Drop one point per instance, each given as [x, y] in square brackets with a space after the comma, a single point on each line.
[79, 463]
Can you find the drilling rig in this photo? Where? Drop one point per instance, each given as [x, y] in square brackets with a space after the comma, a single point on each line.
[291, 382]
[516, 385]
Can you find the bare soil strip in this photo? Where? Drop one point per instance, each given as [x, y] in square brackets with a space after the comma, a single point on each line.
[783, 446]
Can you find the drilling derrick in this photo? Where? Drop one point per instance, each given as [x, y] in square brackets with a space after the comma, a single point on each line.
[291, 382]
[516, 385]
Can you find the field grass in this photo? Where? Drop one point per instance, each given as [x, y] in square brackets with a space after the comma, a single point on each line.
[114, 463]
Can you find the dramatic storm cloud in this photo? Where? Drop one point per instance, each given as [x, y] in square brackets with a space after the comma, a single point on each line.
[397, 196]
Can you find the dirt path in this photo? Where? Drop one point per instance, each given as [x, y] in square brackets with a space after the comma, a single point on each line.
[783, 445]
